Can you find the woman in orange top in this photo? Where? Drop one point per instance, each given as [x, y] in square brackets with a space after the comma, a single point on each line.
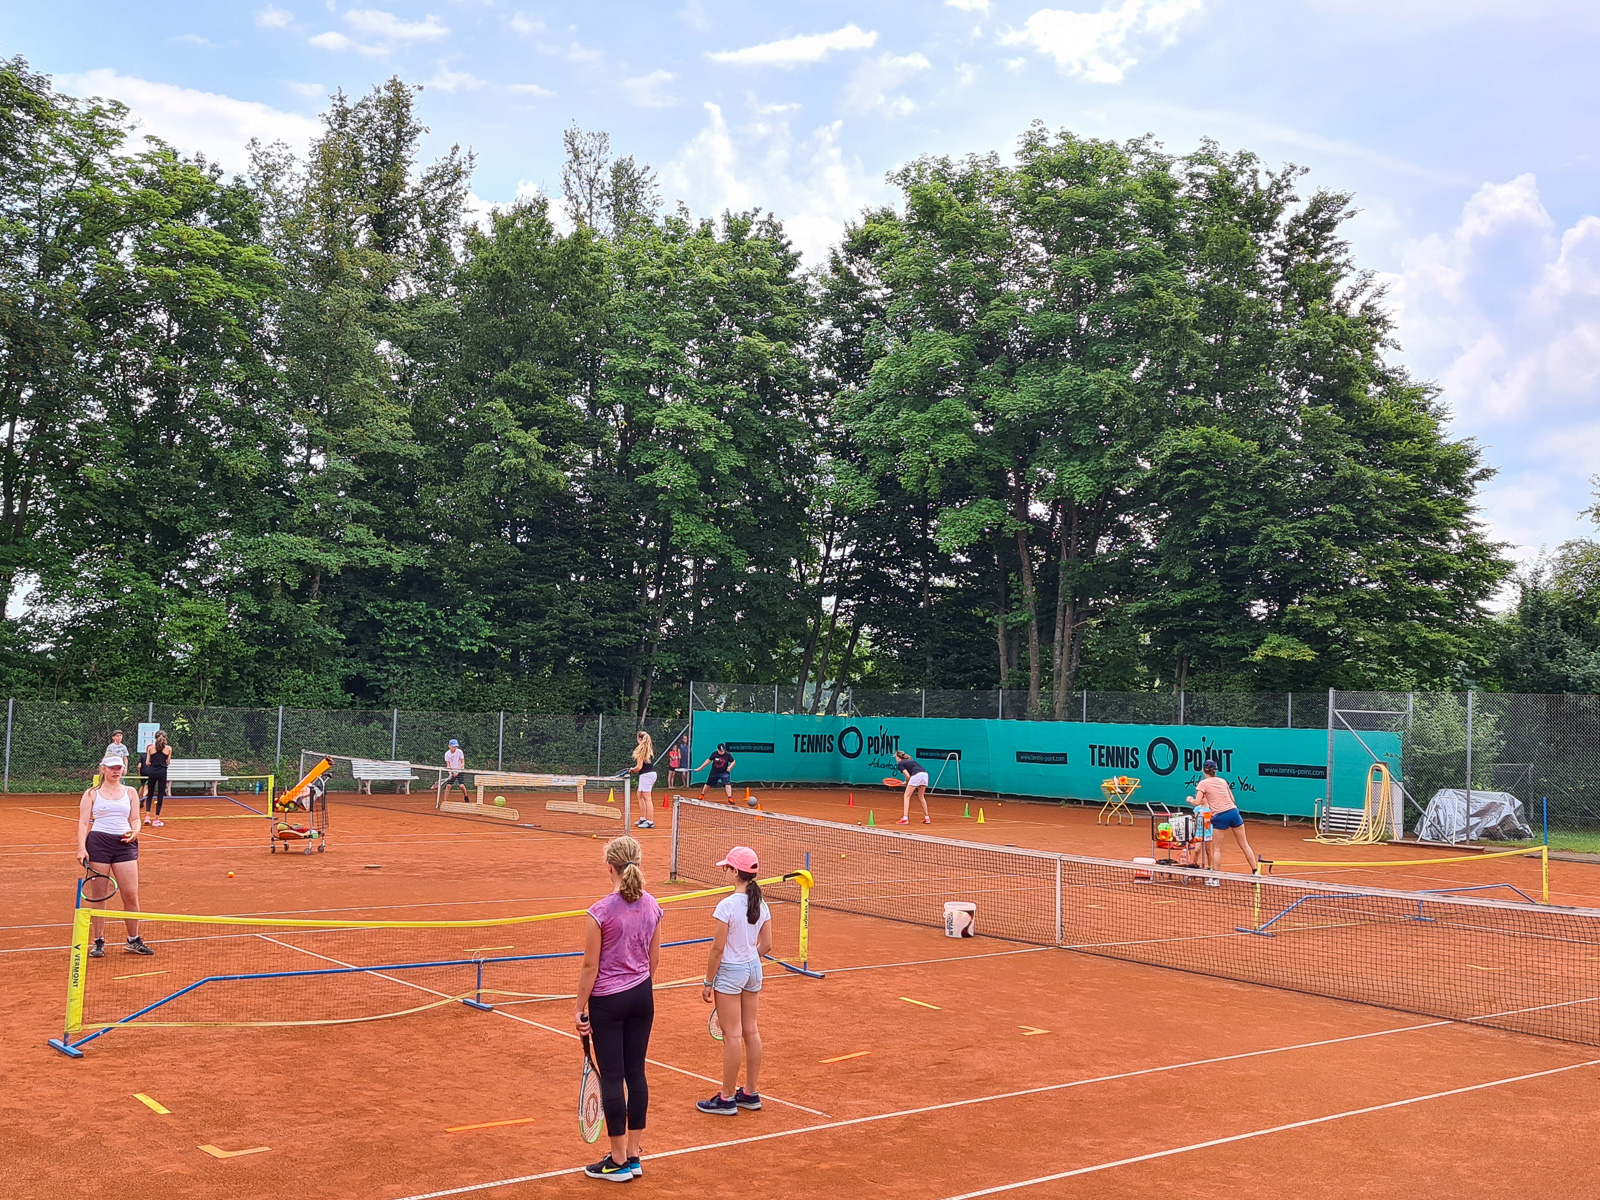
[1215, 794]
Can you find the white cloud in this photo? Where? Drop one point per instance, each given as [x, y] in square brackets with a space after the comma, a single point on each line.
[807, 48]
[446, 80]
[374, 22]
[1503, 311]
[274, 18]
[208, 123]
[192, 39]
[1102, 46]
[524, 24]
[582, 54]
[646, 91]
[308, 91]
[876, 78]
[977, 6]
[337, 42]
[807, 182]
[694, 15]
[529, 89]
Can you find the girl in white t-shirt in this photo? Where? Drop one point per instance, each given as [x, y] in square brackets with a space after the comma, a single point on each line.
[743, 924]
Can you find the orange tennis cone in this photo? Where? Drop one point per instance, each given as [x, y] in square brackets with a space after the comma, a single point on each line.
[852, 803]
[747, 795]
[981, 821]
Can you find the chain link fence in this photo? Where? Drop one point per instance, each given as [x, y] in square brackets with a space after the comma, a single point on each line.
[1544, 750]
[51, 747]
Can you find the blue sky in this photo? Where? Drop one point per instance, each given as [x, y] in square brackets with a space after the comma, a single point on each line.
[1465, 128]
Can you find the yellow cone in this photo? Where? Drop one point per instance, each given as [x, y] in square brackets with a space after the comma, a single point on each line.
[981, 821]
[611, 796]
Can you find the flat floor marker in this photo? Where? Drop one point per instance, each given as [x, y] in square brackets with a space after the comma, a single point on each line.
[921, 1004]
[486, 949]
[216, 1153]
[1030, 1031]
[140, 975]
[153, 1105]
[491, 1124]
[842, 1057]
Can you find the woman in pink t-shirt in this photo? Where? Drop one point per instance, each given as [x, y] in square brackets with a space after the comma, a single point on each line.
[616, 1003]
[1215, 794]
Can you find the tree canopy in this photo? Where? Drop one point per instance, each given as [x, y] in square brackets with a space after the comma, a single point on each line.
[1090, 415]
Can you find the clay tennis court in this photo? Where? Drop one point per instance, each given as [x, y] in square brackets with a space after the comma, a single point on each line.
[920, 1067]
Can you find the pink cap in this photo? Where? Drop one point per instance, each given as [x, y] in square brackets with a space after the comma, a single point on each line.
[741, 858]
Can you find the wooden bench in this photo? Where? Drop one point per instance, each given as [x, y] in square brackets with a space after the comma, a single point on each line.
[206, 771]
[368, 771]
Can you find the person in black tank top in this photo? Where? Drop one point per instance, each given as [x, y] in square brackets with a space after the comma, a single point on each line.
[154, 769]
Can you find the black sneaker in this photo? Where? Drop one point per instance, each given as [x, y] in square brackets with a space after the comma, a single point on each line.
[634, 1165]
[719, 1106]
[607, 1169]
[98, 949]
[744, 1099]
[136, 946]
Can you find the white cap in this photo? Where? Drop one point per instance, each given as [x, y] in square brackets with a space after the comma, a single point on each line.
[113, 760]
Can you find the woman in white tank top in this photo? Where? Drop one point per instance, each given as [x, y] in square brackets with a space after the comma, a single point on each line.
[108, 820]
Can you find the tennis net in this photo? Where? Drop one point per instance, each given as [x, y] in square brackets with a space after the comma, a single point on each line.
[272, 971]
[1523, 967]
[580, 804]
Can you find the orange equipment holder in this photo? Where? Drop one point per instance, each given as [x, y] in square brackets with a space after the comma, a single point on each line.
[1118, 790]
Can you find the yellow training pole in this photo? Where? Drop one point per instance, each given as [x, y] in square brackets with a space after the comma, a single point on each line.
[76, 974]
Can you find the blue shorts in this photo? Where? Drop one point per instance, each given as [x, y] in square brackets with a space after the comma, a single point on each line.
[733, 978]
[1228, 818]
[720, 779]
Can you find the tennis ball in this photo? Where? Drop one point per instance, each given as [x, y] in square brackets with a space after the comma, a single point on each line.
[753, 802]
[499, 801]
[230, 874]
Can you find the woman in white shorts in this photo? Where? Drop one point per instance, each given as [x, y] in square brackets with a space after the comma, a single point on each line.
[916, 784]
[644, 766]
[733, 979]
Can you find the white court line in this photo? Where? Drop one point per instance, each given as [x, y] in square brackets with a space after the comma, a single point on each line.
[538, 1025]
[1256, 1133]
[950, 1104]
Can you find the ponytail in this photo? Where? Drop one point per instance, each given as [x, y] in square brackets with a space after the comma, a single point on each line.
[623, 854]
[752, 895]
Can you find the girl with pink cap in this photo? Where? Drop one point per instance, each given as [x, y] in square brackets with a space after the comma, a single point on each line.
[743, 933]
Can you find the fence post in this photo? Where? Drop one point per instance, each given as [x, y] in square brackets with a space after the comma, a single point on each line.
[500, 756]
[1181, 696]
[924, 703]
[1468, 838]
[150, 712]
[1289, 724]
[599, 737]
[1000, 702]
[277, 754]
[1085, 706]
[394, 733]
[1327, 803]
[11, 706]
[774, 699]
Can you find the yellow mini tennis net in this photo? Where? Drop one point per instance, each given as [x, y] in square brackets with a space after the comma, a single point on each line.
[264, 971]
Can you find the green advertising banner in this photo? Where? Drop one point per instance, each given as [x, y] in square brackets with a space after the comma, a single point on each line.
[1273, 771]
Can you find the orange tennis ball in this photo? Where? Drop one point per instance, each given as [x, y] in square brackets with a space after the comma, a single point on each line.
[230, 874]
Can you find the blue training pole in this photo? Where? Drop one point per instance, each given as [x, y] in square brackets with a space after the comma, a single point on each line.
[1545, 802]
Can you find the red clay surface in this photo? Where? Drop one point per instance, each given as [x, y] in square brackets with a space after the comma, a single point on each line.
[1144, 1081]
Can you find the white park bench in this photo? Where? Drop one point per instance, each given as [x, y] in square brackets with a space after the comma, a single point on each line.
[369, 771]
[206, 771]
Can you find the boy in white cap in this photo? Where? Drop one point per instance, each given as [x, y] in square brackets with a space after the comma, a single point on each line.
[457, 763]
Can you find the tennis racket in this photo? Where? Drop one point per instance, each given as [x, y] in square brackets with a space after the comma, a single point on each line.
[714, 1026]
[890, 781]
[591, 1114]
[96, 888]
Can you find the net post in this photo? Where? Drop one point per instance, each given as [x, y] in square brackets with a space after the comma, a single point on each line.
[1060, 932]
[1544, 873]
[1468, 813]
[805, 920]
[672, 859]
[1327, 800]
[77, 976]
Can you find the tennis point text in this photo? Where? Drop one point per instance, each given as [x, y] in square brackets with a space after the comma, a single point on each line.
[1162, 756]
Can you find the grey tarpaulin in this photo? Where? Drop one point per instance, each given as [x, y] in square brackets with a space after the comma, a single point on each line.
[1495, 815]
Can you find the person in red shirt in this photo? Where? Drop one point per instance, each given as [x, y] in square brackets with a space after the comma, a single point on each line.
[1215, 794]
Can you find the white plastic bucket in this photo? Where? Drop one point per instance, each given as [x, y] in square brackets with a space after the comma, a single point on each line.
[1144, 870]
[960, 919]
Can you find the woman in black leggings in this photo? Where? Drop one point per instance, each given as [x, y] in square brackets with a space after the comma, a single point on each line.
[616, 1004]
[154, 770]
